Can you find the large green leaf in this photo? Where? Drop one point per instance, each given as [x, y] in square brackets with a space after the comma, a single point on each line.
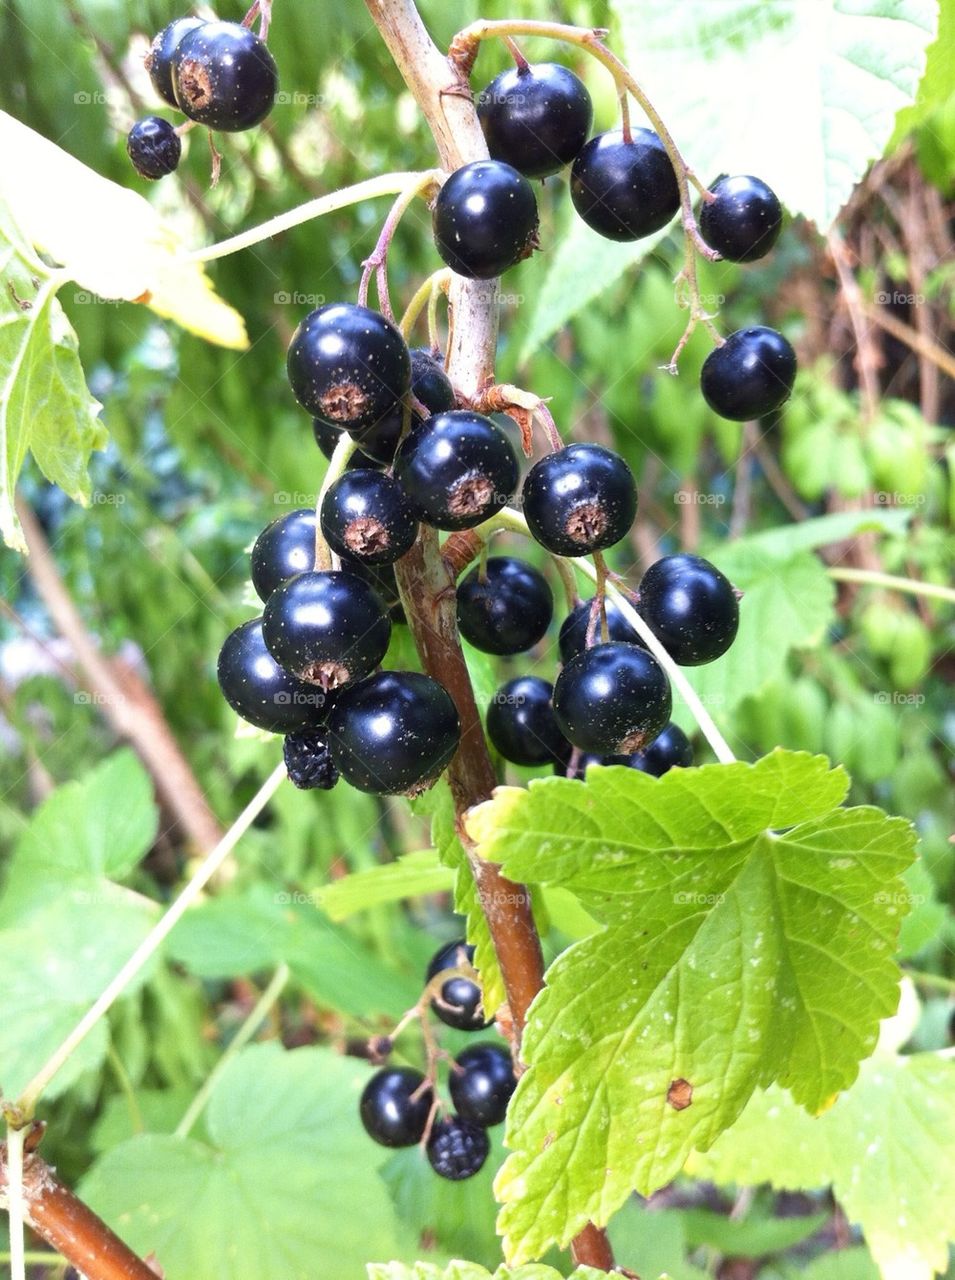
[750, 927]
[413, 874]
[80, 837]
[803, 94]
[887, 1148]
[45, 405]
[258, 1201]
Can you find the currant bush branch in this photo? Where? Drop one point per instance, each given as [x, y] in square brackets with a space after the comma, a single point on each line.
[26, 1104]
[14, 1199]
[386, 184]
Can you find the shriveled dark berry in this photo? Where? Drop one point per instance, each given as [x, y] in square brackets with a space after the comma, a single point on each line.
[154, 147]
[309, 761]
[457, 1149]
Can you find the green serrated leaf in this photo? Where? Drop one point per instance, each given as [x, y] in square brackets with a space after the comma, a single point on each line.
[413, 874]
[829, 78]
[471, 1271]
[45, 405]
[887, 1147]
[254, 1203]
[739, 892]
[80, 838]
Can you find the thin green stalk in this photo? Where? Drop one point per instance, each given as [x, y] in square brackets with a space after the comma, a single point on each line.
[911, 586]
[250, 1026]
[126, 1088]
[150, 944]
[387, 184]
[336, 469]
[932, 981]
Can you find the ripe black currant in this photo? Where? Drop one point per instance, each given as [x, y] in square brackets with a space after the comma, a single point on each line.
[329, 628]
[394, 733]
[521, 723]
[481, 1083]
[382, 578]
[504, 606]
[158, 60]
[429, 384]
[457, 468]
[154, 147]
[261, 691]
[283, 548]
[744, 221]
[750, 375]
[573, 630]
[395, 1106]
[612, 699]
[327, 438]
[624, 190]
[457, 1149]
[579, 500]
[309, 761]
[460, 1001]
[485, 219]
[348, 365]
[691, 608]
[224, 77]
[535, 117]
[668, 749]
[366, 515]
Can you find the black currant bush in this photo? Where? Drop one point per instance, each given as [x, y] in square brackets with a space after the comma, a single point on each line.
[633, 759]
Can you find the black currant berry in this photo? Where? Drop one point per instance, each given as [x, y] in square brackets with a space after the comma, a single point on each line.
[457, 468]
[348, 365]
[535, 118]
[744, 221]
[309, 761]
[459, 1003]
[366, 515]
[224, 77]
[429, 382]
[482, 1087]
[612, 699]
[329, 628]
[504, 606]
[573, 630]
[750, 375]
[283, 548]
[328, 437]
[668, 749]
[457, 1149]
[394, 733]
[485, 219]
[261, 691]
[521, 723]
[154, 147]
[395, 1107]
[158, 60]
[690, 607]
[579, 500]
[624, 190]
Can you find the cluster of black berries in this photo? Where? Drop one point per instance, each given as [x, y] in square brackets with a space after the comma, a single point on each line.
[536, 120]
[219, 74]
[398, 1106]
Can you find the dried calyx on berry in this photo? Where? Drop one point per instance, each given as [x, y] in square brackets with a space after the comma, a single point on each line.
[309, 761]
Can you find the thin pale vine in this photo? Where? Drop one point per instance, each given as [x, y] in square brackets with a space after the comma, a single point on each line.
[377, 263]
[26, 1103]
[386, 184]
[336, 469]
[426, 295]
[910, 586]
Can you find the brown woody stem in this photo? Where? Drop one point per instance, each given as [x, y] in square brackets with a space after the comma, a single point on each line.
[427, 587]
